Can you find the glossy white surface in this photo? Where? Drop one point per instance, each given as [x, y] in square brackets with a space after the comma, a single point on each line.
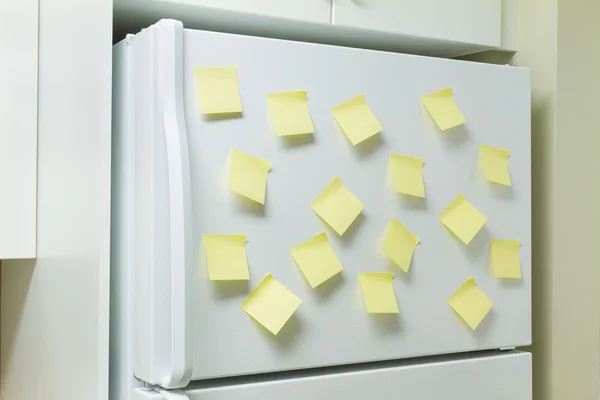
[498, 377]
[18, 127]
[464, 21]
[55, 309]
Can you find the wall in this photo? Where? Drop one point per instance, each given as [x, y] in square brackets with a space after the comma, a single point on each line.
[54, 310]
[558, 40]
[576, 290]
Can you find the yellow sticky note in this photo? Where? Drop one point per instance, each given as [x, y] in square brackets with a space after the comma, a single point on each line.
[378, 292]
[316, 259]
[470, 303]
[226, 257]
[505, 258]
[271, 304]
[289, 112]
[495, 164]
[407, 173]
[443, 109]
[217, 90]
[462, 219]
[337, 206]
[399, 244]
[356, 119]
[248, 175]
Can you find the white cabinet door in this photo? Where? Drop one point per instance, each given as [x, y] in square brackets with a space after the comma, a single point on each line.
[18, 127]
[305, 10]
[463, 21]
[489, 377]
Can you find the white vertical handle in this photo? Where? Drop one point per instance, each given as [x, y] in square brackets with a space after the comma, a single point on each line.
[170, 64]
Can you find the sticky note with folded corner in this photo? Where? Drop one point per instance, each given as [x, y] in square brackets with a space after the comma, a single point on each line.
[248, 175]
[316, 259]
[407, 174]
[337, 206]
[289, 112]
[470, 303]
[462, 219]
[443, 109]
[226, 257]
[378, 292]
[495, 164]
[271, 304]
[505, 258]
[356, 119]
[217, 90]
[399, 244]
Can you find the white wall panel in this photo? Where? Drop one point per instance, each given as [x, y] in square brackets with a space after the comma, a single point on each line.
[54, 340]
[18, 127]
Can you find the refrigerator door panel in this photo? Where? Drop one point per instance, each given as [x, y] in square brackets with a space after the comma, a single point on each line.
[331, 327]
[490, 377]
[121, 371]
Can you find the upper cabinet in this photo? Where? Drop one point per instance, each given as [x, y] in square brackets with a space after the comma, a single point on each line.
[439, 28]
[18, 128]
[303, 10]
[475, 22]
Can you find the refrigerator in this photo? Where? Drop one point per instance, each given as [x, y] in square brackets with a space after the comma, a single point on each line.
[176, 334]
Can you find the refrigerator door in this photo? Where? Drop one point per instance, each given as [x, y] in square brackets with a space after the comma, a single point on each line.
[188, 327]
[498, 377]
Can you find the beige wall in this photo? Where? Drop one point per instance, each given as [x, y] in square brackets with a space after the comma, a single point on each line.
[560, 41]
[576, 289]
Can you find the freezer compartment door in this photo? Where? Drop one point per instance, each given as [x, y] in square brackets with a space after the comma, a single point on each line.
[332, 326]
[188, 327]
[499, 377]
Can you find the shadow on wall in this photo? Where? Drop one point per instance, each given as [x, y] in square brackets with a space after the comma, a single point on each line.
[541, 240]
[490, 57]
[542, 140]
[15, 280]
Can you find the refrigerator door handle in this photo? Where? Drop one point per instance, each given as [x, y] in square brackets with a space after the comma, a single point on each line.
[170, 62]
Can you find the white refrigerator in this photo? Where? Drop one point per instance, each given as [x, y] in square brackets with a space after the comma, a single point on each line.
[175, 334]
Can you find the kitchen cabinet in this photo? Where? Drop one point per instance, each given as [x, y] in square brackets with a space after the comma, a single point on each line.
[464, 21]
[437, 28]
[54, 310]
[18, 128]
[305, 10]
